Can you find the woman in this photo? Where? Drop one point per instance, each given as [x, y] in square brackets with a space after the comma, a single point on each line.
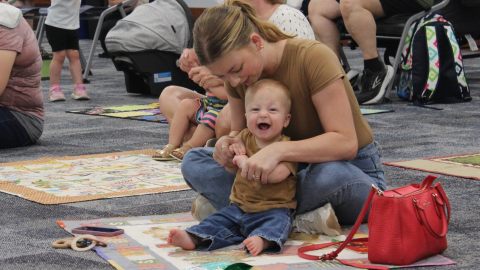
[288, 19]
[339, 160]
[21, 99]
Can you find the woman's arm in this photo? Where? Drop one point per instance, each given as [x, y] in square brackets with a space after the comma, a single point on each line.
[339, 142]
[6, 65]
[280, 173]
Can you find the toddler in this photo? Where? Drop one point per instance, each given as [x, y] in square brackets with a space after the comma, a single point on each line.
[62, 22]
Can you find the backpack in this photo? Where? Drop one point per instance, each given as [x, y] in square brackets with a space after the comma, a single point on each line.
[431, 64]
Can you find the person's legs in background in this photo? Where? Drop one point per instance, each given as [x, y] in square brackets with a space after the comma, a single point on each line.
[323, 13]
[359, 17]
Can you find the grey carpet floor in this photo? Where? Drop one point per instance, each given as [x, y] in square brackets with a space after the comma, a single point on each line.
[27, 229]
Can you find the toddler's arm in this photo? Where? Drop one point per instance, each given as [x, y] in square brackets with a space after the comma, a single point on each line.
[280, 173]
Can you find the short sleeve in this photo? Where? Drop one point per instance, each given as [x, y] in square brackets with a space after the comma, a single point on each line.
[11, 39]
[292, 167]
[322, 67]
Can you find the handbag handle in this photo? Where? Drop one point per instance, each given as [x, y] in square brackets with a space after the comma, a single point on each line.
[423, 217]
[333, 255]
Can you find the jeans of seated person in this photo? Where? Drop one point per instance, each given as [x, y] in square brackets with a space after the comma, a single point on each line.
[343, 184]
[12, 133]
[232, 225]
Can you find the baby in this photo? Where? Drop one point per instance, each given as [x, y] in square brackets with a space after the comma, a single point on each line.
[260, 215]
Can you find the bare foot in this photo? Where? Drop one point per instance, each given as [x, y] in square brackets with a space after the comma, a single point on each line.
[180, 238]
[256, 244]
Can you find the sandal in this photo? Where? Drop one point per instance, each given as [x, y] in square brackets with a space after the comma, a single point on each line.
[177, 152]
[161, 154]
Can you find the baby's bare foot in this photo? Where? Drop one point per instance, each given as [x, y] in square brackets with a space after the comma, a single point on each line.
[256, 244]
[181, 239]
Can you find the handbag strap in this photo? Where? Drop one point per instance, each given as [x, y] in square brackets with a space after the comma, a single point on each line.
[333, 255]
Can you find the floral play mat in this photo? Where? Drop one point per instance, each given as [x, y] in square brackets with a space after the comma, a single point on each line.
[466, 166]
[84, 178]
[144, 246]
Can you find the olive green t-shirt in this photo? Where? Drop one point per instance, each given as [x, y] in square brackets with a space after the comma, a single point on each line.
[254, 197]
[307, 67]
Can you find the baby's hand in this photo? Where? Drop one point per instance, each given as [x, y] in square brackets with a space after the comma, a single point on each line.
[240, 160]
[238, 149]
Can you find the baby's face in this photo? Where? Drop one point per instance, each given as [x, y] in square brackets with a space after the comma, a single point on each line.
[267, 113]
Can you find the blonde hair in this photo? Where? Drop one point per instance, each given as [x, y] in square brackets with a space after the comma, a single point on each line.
[224, 28]
[272, 85]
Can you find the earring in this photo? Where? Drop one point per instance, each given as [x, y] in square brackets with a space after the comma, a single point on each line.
[261, 47]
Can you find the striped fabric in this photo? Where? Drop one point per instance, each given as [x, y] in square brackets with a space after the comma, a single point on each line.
[208, 110]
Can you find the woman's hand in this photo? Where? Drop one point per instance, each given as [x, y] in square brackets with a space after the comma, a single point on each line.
[259, 166]
[188, 60]
[222, 153]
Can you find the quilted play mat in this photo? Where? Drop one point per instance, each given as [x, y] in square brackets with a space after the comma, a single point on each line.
[144, 246]
[147, 112]
[466, 166]
[84, 178]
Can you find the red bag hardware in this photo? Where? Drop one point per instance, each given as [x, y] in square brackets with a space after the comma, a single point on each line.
[406, 225]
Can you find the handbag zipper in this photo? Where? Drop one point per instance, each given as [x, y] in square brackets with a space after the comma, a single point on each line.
[380, 192]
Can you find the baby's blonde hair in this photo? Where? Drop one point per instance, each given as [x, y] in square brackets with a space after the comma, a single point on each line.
[224, 28]
[272, 85]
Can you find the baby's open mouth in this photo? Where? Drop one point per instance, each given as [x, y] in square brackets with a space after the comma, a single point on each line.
[263, 126]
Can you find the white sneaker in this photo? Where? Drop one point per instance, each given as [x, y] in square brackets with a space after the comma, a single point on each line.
[318, 221]
[202, 208]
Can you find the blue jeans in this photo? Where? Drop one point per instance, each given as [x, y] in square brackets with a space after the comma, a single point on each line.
[343, 184]
[232, 225]
[12, 133]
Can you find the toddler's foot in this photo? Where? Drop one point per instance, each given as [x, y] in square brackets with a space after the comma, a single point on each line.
[55, 93]
[179, 153]
[256, 244]
[80, 92]
[180, 238]
[318, 221]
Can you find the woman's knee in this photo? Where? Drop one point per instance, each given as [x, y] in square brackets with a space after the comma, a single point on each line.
[193, 163]
[328, 9]
[347, 7]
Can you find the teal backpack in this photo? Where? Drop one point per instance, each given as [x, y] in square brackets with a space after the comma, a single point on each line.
[431, 64]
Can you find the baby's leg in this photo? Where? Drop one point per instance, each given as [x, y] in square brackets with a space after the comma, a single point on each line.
[256, 244]
[181, 121]
[183, 239]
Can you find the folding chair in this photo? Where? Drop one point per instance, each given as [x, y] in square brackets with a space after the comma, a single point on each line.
[388, 39]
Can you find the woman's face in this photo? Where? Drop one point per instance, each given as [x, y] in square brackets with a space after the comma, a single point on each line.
[239, 67]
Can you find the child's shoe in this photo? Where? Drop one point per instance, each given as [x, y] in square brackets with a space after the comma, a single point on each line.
[80, 92]
[318, 221]
[55, 93]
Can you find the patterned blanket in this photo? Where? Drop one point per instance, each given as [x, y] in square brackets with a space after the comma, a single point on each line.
[144, 246]
[84, 178]
[466, 166]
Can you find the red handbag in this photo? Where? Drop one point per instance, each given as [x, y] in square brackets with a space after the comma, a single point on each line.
[406, 225]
